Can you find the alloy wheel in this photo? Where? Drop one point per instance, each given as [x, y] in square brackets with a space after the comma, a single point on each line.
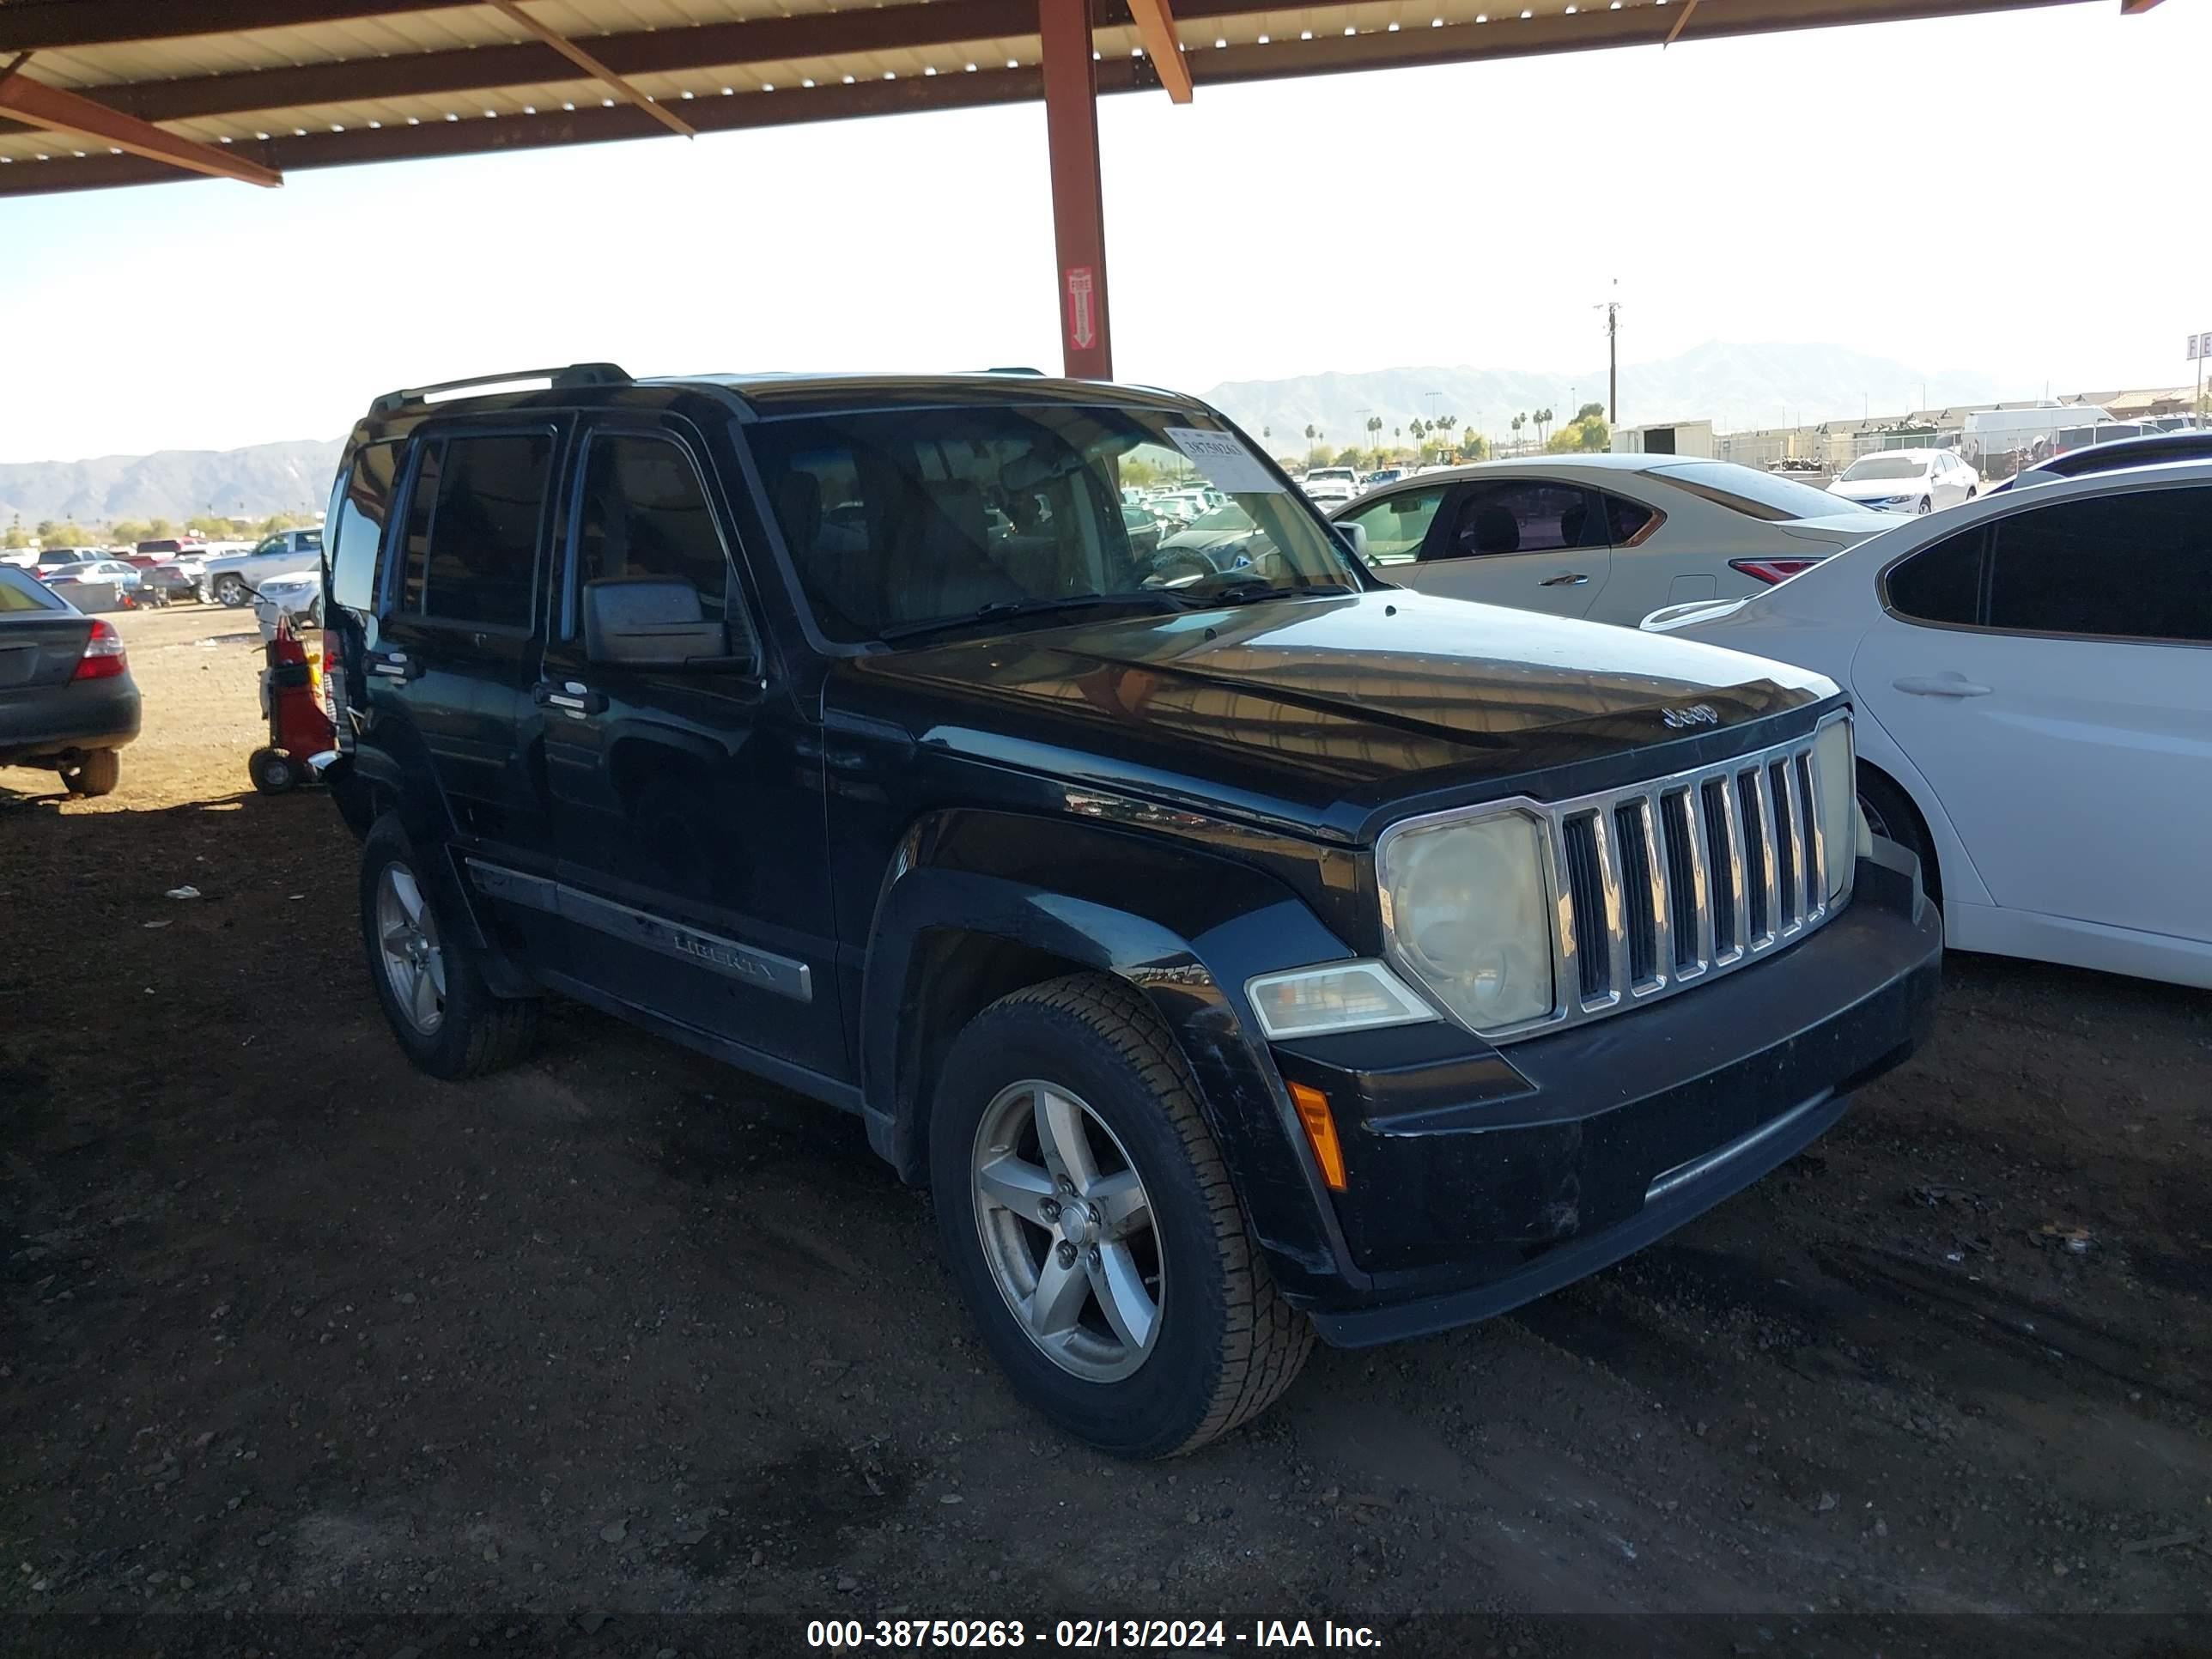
[407, 942]
[1067, 1231]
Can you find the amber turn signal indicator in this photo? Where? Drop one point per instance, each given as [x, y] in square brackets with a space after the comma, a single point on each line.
[1321, 1132]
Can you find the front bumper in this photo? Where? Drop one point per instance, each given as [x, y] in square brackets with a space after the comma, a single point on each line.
[1480, 1178]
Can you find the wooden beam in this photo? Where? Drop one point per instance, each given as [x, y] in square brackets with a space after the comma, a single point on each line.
[57, 110]
[591, 66]
[1681, 21]
[43, 24]
[1156, 28]
[2129, 8]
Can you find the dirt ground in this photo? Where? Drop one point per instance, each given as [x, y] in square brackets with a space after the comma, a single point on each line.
[625, 1353]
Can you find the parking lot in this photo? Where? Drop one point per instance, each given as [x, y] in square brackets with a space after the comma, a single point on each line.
[292, 1328]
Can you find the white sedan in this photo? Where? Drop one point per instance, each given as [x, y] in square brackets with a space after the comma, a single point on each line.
[2033, 677]
[1609, 538]
[1908, 481]
[1325, 486]
[300, 597]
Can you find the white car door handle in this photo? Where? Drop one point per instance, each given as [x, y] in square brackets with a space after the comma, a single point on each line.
[1572, 578]
[1945, 684]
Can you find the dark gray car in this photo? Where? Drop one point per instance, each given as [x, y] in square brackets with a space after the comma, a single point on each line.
[67, 701]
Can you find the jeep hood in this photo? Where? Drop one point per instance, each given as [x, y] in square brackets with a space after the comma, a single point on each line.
[1324, 715]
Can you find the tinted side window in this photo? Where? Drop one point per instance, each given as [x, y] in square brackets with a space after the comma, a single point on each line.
[2134, 565]
[645, 513]
[19, 592]
[1523, 518]
[1942, 583]
[483, 554]
[363, 504]
[1397, 526]
[417, 552]
[1624, 520]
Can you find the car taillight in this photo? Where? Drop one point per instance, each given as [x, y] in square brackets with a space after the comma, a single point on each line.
[1771, 571]
[103, 656]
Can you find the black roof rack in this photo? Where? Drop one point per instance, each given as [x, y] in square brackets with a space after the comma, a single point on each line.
[573, 374]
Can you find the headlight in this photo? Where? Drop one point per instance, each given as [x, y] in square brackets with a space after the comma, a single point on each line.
[1835, 777]
[1466, 910]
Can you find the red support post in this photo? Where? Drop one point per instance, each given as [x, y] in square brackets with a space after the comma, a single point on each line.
[1079, 215]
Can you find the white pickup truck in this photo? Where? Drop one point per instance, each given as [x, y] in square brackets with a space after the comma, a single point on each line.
[287, 553]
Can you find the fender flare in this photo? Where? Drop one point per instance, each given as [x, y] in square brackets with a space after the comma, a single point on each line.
[1191, 967]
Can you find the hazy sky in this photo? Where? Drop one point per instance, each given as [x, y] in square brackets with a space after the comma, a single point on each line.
[2021, 194]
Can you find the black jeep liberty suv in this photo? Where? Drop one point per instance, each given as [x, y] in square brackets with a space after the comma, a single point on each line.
[1238, 953]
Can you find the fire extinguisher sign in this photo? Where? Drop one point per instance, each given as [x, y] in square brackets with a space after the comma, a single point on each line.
[1082, 309]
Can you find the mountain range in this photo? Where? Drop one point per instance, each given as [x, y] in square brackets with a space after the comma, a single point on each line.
[291, 477]
[1734, 386]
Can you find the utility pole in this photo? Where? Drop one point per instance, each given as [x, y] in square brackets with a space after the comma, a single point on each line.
[1612, 309]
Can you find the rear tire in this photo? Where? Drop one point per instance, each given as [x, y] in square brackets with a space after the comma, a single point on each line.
[1222, 1344]
[97, 774]
[1891, 814]
[443, 1013]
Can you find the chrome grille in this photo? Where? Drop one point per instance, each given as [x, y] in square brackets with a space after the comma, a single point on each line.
[1660, 884]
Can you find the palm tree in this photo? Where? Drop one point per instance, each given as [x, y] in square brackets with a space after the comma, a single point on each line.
[1375, 431]
[1442, 427]
[1312, 432]
[1519, 421]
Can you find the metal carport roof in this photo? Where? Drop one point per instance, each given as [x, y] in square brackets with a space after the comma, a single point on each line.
[270, 86]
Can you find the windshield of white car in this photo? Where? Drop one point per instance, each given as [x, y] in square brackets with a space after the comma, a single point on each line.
[898, 519]
[1886, 466]
[1754, 494]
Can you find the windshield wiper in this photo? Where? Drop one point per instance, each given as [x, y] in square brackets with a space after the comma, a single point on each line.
[1012, 609]
[1250, 592]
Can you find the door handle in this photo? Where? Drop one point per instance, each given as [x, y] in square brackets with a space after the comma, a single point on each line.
[1946, 684]
[1572, 578]
[572, 697]
[394, 665]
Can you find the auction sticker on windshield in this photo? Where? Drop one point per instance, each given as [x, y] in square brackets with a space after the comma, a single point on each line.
[1230, 465]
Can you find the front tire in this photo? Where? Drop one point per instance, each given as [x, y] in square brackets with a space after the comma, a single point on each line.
[1091, 1225]
[230, 592]
[426, 972]
[1927, 504]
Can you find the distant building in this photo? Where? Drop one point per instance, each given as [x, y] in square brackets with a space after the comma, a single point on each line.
[1666, 438]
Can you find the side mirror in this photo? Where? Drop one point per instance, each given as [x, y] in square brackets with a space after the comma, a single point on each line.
[648, 622]
[1354, 537]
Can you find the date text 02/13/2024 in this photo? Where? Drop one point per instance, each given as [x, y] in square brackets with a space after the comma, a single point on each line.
[1085, 1634]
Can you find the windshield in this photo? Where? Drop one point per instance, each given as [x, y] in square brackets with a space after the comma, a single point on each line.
[1886, 466]
[1227, 516]
[902, 519]
[1755, 494]
[1333, 474]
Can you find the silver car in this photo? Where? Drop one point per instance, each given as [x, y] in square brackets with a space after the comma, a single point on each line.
[287, 553]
